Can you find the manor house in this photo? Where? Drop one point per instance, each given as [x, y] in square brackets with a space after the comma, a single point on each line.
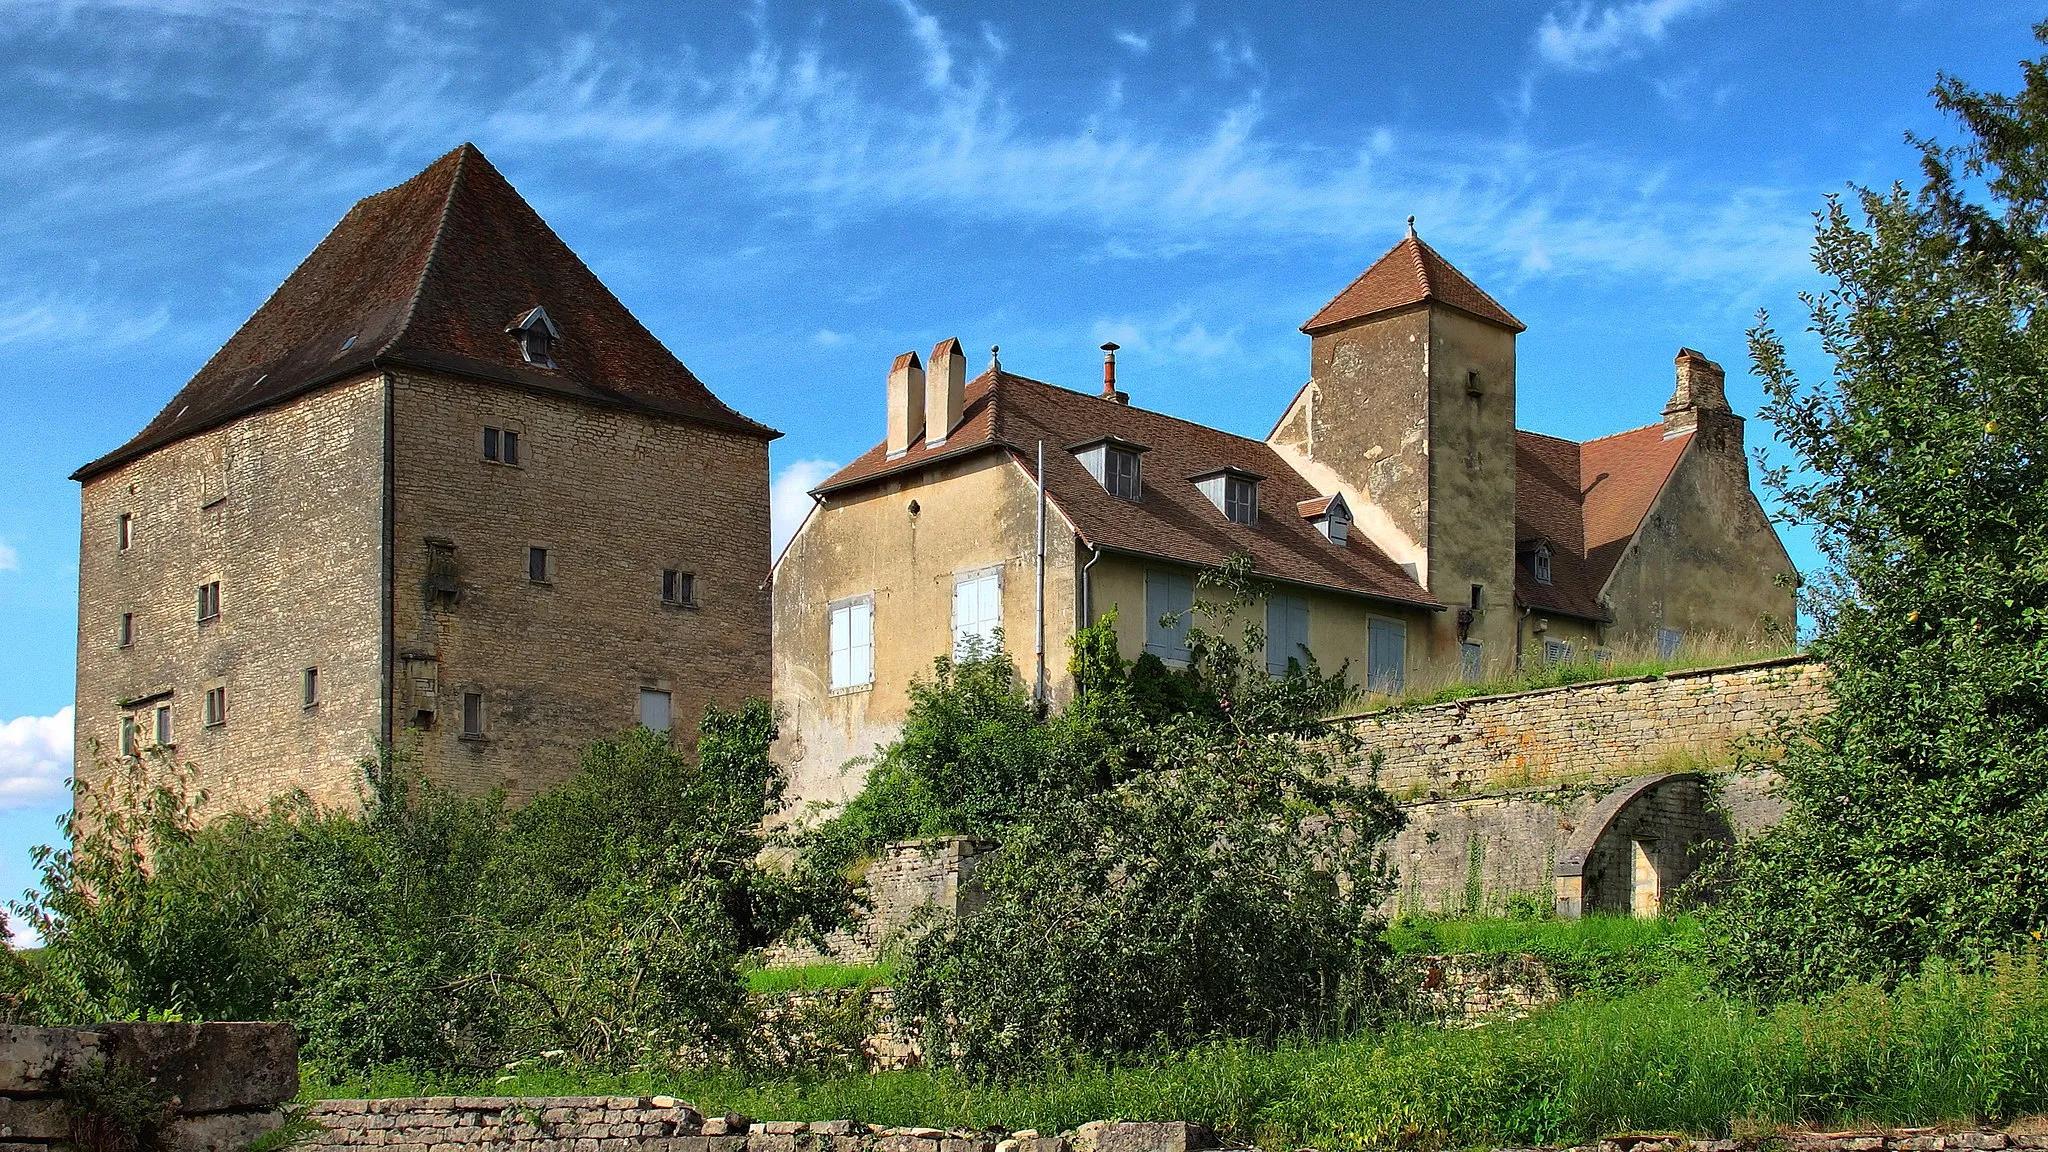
[442, 491]
[1402, 522]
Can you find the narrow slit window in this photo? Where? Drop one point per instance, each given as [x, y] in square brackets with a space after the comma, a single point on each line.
[491, 445]
[163, 726]
[131, 740]
[511, 446]
[537, 567]
[125, 531]
[472, 713]
[124, 634]
[309, 688]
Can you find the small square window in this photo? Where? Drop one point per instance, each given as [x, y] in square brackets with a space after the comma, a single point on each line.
[678, 587]
[124, 633]
[538, 569]
[472, 714]
[163, 725]
[309, 688]
[215, 711]
[209, 601]
[501, 446]
[125, 533]
[654, 709]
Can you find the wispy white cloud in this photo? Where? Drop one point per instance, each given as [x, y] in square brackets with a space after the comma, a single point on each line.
[828, 338]
[35, 759]
[10, 560]
[1175, 336]
[1584, 37]
[789, 498]
[1136, 42]
[31, 321]
[938, 54]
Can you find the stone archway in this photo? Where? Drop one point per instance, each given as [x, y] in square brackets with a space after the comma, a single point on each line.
[1637, 845]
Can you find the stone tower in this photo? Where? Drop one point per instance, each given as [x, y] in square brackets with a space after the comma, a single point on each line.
[1410, 412]
[441, 490]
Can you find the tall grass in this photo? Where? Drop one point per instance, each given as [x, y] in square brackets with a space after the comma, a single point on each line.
[1673, 1056]
[818, 977]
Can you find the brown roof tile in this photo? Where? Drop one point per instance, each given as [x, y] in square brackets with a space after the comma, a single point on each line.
[1410, 273]
[1173, 521]
[429, 274]
[1587, 500]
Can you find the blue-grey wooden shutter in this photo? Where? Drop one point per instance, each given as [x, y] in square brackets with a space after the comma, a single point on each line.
[1168, 592]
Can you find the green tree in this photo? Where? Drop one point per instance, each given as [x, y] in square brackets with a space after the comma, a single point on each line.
[1919, 808]
[1210, 870]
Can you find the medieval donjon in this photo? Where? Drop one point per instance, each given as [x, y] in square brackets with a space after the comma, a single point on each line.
[441, 490]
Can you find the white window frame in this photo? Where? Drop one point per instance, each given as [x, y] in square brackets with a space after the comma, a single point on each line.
[977, 621]
[850, 643]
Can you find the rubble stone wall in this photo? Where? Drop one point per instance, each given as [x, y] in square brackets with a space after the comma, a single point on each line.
[226, 1083]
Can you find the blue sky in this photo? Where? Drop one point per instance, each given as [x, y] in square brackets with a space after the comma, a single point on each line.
[788, 194]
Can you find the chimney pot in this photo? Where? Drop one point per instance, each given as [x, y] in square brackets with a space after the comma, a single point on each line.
[1109, 391]
[906, 403]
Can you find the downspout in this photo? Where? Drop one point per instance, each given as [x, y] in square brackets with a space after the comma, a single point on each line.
[1088, 587]
[1038, 684]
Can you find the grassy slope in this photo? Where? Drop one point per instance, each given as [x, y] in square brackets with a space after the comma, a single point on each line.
[1671, 1055]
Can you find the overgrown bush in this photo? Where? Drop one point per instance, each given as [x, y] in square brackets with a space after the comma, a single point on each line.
[605, 921]
[1919, 808]
[1186, 855]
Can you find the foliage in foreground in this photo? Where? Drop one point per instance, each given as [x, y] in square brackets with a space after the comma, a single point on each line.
[1675, 1056]
[1186, 855]
[1919, 807]
[1592, 955]
[606, 920]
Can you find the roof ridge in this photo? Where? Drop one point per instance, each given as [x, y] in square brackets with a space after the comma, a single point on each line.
[1548, 436]
[419, 286]
[1418, 246]
[1121, 406]
[1631, 432]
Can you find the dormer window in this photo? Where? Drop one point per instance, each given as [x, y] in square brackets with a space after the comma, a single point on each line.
[1331, 517]
[1234, 492]
[1114, 462]
[536, 335]
[1539, 563]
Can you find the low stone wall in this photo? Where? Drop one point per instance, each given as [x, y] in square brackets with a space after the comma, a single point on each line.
[225, 1084]
[1597, 732]
[1466, 990]
[913, 878]
[663, 1124]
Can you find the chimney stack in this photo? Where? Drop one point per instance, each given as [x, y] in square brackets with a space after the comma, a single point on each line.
[906, 403]
[945, 392]
[1701, 387]
[1109, 391]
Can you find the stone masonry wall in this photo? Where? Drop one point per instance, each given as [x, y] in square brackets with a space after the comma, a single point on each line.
[1588, 734]
[226, 1083]
[283, 508]
[616, 497]
[912, 878]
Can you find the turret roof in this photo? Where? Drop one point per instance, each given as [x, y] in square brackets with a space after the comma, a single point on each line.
[1410, 273]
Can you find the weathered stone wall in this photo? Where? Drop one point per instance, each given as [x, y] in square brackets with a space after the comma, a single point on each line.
[912, 879]
[1585, 735]
[226, 1083]
[616, 497]
[283, 508]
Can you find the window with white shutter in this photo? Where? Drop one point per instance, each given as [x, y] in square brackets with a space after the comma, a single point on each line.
[977, 612]
[853, 643]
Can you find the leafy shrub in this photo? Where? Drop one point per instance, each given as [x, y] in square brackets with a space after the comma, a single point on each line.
[606, 921]
[1183, 858]
[1919, 808]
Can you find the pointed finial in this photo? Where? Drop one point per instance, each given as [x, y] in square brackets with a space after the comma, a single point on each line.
[1411, 227]
[995, 358]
